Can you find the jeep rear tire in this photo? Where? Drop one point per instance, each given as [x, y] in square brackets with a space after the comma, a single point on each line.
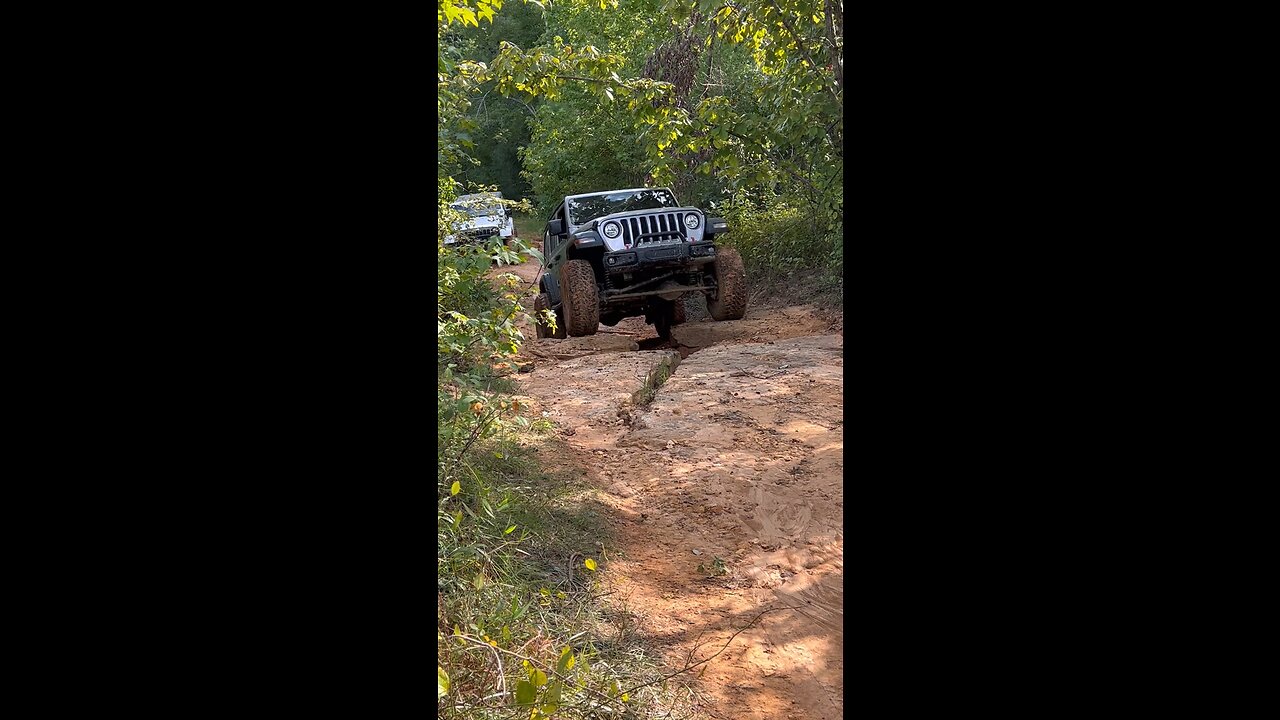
[540, 303]
[670, 314]
[580, 298]
[731, 284]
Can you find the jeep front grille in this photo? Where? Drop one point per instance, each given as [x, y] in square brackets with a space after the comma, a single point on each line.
[654, 229]
[470, 236]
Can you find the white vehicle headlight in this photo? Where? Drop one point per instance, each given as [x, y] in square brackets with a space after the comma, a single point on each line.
[691, 221]
[611, 230]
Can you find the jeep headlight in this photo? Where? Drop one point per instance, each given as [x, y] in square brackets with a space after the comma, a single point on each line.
[691, 221]
[611, 230]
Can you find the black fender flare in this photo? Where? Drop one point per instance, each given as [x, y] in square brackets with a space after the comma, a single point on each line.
[586, 239]
[550, 282]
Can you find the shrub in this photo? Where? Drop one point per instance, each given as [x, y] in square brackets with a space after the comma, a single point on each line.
[777, 235]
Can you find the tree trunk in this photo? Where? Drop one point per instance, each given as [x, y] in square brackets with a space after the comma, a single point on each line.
[835, 33]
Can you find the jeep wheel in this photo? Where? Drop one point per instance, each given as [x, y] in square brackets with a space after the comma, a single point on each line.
[671, 314]
[580, 298]
[540, 303]
[731, 283]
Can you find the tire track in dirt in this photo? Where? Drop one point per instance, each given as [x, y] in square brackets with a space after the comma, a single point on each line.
[727, 492]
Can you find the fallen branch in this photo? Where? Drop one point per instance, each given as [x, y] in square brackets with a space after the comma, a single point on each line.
[502, 672]
[687, 668]
[551, 672]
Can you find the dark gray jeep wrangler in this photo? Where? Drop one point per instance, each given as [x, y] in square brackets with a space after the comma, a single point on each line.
[627, 253]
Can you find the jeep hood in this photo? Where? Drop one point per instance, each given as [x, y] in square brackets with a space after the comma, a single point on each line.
[484, 221]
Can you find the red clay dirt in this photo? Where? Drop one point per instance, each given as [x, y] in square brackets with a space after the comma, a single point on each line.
[727, 491]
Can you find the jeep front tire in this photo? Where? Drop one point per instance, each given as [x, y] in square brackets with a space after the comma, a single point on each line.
[580, 298]
[731, 286]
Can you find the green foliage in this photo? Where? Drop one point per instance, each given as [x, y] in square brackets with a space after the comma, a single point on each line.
[778, 118]
[476, 319]
[781, 119]
[580, 146]
[513, 604]
[500, 123]
[501, 129]
[463, 13]
[716, 569]
[722, 98]
[530, 225]
[779, 235]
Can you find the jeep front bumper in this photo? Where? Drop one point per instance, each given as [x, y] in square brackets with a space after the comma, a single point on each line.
[651, 256]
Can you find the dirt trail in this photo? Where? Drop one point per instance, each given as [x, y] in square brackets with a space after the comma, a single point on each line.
[727, 491]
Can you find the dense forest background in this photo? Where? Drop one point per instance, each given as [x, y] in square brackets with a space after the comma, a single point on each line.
[738, 107]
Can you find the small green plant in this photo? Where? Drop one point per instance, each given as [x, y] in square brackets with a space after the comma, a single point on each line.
[654, 380]
[541, 426]
[717, 568]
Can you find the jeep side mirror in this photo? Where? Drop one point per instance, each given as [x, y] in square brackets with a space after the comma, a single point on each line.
[555, 227]
[717, 226]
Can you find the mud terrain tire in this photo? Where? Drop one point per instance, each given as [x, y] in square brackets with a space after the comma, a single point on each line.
[731, 279]
[540, 303]
[580, 298]
[671, 315]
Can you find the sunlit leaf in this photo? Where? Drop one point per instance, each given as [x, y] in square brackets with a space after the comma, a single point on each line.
[566, 662]
[525, 693]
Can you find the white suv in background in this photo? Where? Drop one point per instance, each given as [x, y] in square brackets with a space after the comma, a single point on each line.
[485, 219]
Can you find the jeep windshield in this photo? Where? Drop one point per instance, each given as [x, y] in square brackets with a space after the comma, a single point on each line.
[474, 210]
[586, 207]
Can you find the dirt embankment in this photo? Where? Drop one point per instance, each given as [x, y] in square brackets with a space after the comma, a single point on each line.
[727, 495]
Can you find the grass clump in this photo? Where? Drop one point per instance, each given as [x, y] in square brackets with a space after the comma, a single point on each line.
[654, 380]
[523, 629]
[529, 226]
